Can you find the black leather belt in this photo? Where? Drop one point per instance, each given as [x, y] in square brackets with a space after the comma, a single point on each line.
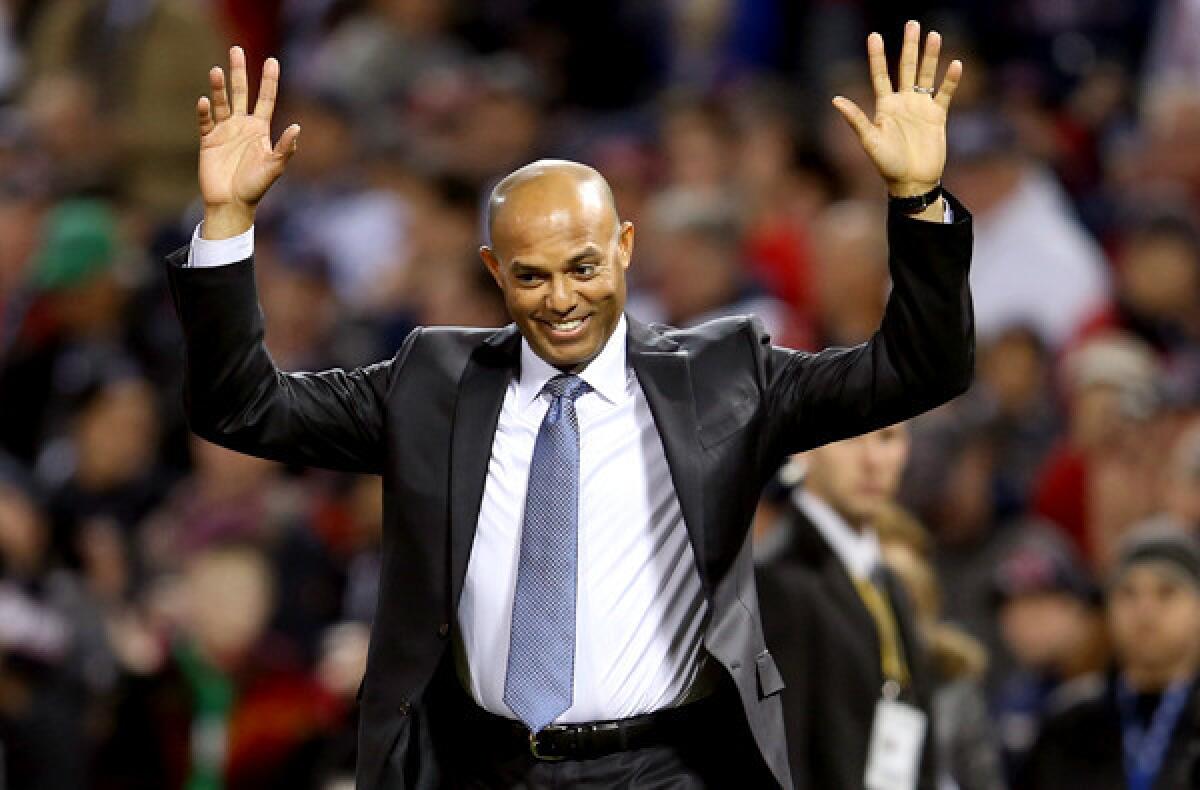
[598, 738]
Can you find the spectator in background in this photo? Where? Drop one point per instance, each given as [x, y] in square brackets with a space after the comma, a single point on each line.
[842, 629]
[1012, 406]
[54, 660]
[1139, 726]
[852, 272]
[376, 59]
[1034, 263]
[64, 110]
[1053, 634]
[777, 197]
[1181, 497]
[75, 327]
[1102, 476]
[1157, 296]
[331, 209]
[697, 272]
[221, 710]
[102, 476]
[968, 758]
[134, 52]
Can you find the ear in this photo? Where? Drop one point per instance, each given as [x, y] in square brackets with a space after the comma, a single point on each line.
[625, 244]
[492, 264]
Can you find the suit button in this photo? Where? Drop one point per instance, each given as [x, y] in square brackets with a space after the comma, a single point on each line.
[444, 630]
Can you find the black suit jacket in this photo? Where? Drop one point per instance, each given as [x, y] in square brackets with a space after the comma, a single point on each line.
[728, 405]
[826, 645]
[1080, 743]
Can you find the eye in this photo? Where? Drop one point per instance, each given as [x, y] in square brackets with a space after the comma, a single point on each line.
[585, 269]
[527, 278]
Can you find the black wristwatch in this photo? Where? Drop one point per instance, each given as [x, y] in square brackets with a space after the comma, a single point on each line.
[917, 203]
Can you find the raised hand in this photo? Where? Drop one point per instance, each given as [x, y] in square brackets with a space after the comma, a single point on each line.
[907, 137]
[238, 164]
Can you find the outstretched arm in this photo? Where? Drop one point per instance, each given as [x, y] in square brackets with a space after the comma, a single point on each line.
[923, 353]
[233, 393]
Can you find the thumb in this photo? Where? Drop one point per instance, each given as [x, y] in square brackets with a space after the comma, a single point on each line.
[288, 143]
[854, 116]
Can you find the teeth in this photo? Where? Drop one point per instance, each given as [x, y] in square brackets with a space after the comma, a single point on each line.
[567, 326]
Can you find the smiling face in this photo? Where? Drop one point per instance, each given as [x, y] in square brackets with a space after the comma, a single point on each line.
[559, 255]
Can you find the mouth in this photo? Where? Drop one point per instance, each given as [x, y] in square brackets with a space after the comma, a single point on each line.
[564, 331]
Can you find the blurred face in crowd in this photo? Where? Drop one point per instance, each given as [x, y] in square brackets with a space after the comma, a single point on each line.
[1154, 618]
[695, 272]
[228, 598]
[22, 531]
[1043, 629]
[856, 477]
[117, 434]
[1160, 277]
[697, 148]
[559, 255]
[852, 275]
[1012, 366]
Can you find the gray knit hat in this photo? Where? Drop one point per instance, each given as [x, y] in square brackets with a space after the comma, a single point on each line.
[1161, 541]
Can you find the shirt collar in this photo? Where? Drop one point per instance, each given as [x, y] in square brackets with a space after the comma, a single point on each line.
[606, 374]
[858, 550]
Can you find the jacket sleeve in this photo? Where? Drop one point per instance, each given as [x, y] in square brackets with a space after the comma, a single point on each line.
[234, 395]
[922, 355]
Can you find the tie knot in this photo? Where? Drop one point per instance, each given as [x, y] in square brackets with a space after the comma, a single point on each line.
[565, 386]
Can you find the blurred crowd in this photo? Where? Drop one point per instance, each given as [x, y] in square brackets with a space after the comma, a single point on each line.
[173, 614]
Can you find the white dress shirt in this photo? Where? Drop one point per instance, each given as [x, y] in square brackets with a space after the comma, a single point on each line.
[640, 609]
[858, 550]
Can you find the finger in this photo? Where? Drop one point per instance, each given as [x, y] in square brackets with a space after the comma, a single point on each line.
[220, 97]
[289, 141]
[204, 115]
[854, 116]
[240, 88]
[907, 73]
[878, 62]
[268, 89]
[929, 60]
[949, 84]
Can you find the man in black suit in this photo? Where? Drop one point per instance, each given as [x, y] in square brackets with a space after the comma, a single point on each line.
[841, 629]
[567, 591]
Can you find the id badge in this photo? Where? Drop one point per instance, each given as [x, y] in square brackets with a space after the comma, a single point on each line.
[894, 756]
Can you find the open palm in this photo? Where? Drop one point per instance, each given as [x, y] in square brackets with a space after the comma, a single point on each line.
[907, 137]
[237, 161]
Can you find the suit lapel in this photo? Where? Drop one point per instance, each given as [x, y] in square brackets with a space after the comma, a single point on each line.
[476, 414]
[663, 369]
[809, 546]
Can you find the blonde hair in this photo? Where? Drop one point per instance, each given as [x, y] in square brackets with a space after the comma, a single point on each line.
[907, 548]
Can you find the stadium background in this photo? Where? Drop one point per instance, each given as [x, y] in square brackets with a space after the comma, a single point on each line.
[171, 612]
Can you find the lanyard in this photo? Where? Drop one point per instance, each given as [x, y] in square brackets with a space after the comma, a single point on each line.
[1145, 748]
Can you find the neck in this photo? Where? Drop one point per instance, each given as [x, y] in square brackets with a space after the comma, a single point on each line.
[856, 523]
[1154, 679]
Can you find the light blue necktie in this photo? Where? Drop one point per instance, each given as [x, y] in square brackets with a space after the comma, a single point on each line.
[541, 654]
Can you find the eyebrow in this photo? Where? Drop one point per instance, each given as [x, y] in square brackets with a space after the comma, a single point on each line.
[588, 253]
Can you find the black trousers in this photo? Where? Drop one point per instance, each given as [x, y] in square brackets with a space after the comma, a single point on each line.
[715, 751]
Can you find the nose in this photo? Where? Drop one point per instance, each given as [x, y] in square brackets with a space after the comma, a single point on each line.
[560, 299]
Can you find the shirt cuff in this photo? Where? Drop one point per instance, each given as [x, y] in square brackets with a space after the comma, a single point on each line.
[219, 252]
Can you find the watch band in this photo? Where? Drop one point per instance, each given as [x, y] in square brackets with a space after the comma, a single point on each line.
[916, 203]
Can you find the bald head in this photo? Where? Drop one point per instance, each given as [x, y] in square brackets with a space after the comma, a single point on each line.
[549, 192]
[559, 253]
